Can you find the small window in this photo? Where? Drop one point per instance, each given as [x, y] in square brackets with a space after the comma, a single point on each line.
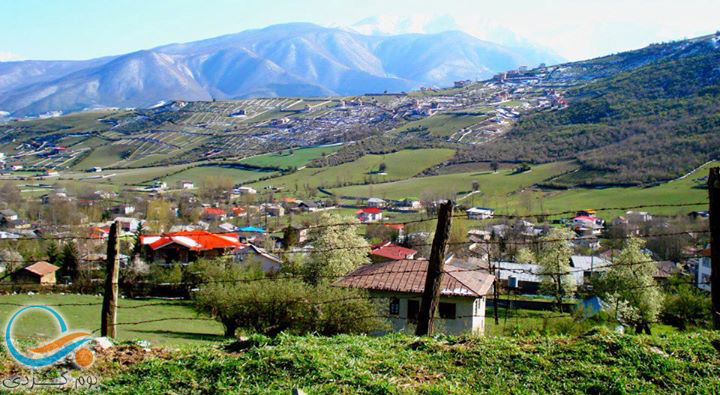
[413, 309]
[447, 311]
[394, 306]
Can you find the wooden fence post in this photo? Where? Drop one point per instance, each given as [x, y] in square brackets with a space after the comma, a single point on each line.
[714, 192]
[110, 297]
[436, 267]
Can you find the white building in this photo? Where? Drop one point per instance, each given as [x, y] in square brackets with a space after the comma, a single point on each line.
[244, 191]
[376, 202]
[703, 271]
[462, 297]
[478, 213]
[185, 184]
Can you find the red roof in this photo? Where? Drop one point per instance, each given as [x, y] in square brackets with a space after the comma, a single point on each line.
[42, 268]
[585, 218]
[370, 210]
[393, 252]
[238, 210]
[194, 240]
[214, 211]
[395, 226]
[408, 276]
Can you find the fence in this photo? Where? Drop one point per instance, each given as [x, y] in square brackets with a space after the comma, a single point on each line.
[434, 272]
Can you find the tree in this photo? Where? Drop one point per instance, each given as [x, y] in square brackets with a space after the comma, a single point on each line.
[11, 260]
[338, 249]
[494, 166]
[382, 167]
[630, 287]
[475, 186]
[53, 253]
[159, 212]
[273, 305]
[137, 244]
[71, 261]
[554, 265]
[524, 255]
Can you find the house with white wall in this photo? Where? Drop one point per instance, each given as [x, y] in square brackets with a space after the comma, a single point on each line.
[401, 283]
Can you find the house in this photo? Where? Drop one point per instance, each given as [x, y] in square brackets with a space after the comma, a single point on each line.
[376, 202]
[478, 213]
[123, 209]
[409, 204]
[587, 225]
[462, 296]
[665, 270]
[703, 270]
[8, 215]
[585, 267]
[226, 227]
[128, 224]
[367, 215]
[520, 277]
[295, 234]
[42, 273]
[239, 212]
[274, 210]
[214, 214]
[99, 233]
[309, 207]
[189, 246]
[185, 184]
[244, 191]
[390, 252]
[250, 233]
[253, 254]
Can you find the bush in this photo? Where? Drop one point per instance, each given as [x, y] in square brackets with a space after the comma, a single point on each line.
[270, 306]
[687, 306]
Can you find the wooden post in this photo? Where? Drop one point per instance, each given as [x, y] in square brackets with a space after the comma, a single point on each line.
[436, 267]
[496, 293]
[110, 297]
[714, 192]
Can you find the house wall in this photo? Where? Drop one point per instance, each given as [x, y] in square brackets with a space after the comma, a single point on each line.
[704, 268]
[469, 312]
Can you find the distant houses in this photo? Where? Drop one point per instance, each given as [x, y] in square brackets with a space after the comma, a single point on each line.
[187, 247]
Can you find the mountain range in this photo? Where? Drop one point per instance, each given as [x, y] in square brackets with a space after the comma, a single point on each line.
[297, 59]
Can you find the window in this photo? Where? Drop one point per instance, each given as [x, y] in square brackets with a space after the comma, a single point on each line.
[394, 306]
[447, 310]
[413, 309]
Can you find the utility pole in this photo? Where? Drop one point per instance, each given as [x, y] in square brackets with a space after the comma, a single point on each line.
[496, 292]
[714, 192]
[435, 270]
[110, 297]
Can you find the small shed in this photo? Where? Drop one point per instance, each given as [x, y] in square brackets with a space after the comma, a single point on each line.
[42, 273]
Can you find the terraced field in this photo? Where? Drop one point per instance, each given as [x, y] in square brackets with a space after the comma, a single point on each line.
[400, 165]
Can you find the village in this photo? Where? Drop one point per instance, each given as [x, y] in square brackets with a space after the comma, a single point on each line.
[169, 227]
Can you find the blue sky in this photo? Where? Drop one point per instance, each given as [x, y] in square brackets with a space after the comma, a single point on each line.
[576, 29]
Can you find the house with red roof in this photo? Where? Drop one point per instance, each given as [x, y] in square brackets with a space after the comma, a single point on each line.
[367, 215]
[185, 247]
[41, 273]
[401, 283]
[214, 214]
[390, 252]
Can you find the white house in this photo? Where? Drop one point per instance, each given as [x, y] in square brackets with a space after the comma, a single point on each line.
[480, 213]
[376, 202]
[462, 297]
[367, 215]
[703, 271]
[244, 191]
[185, 184]
[252, 254]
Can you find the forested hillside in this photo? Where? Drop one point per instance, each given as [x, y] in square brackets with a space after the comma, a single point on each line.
[650, 124]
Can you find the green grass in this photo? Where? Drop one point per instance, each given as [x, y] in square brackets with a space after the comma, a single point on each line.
[601, 363]
[400, 165]
[676, 192]
[300, 157]
[200, 174]
[445, 124]
[495, 186]
[103, 156]
[37, 325]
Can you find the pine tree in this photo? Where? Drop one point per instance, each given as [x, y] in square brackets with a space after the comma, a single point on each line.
[71, 261]
[53, 253]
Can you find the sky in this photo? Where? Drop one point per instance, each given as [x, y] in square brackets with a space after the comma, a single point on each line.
[574, 29]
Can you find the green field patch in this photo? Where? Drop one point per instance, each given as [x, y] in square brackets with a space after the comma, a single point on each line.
[445, 124]
[285, 159]
[495, 187]
[105, 156]
[200, 174]
[400, 165]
